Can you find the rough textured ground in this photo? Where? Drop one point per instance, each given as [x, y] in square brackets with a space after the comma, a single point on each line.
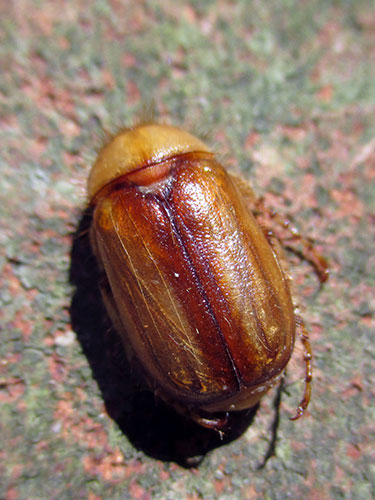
[284, 90]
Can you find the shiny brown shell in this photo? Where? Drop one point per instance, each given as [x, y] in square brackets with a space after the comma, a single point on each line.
[196, 290]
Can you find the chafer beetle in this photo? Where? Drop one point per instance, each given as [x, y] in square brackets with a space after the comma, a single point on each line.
[196, 289]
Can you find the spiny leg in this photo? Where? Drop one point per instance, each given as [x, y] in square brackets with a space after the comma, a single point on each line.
[308, 252]
[304, 335]
[319, 263]
[216, 423]
[307, 355]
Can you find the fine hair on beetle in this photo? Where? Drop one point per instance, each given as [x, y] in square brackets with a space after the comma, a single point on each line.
[198, 288]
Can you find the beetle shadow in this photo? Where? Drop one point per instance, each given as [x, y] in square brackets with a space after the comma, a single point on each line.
[151, 425]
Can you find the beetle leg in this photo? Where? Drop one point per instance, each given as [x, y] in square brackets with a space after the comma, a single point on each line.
[308, 369]
[308, 251]
[209, 421]
[259, 208]
[217, 424]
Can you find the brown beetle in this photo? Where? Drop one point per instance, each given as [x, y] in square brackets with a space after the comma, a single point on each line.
[197, 292]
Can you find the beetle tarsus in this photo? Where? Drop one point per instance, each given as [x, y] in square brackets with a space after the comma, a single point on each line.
[299, 412]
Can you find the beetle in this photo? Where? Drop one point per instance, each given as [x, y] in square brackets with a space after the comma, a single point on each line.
[196, 289]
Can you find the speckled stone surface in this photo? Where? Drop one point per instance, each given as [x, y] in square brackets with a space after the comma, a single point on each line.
[284, 91]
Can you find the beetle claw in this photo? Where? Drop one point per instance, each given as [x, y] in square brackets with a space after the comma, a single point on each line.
[299, 412]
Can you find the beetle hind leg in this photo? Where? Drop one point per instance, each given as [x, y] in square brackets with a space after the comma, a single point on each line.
[218, 423]
[307, 355]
